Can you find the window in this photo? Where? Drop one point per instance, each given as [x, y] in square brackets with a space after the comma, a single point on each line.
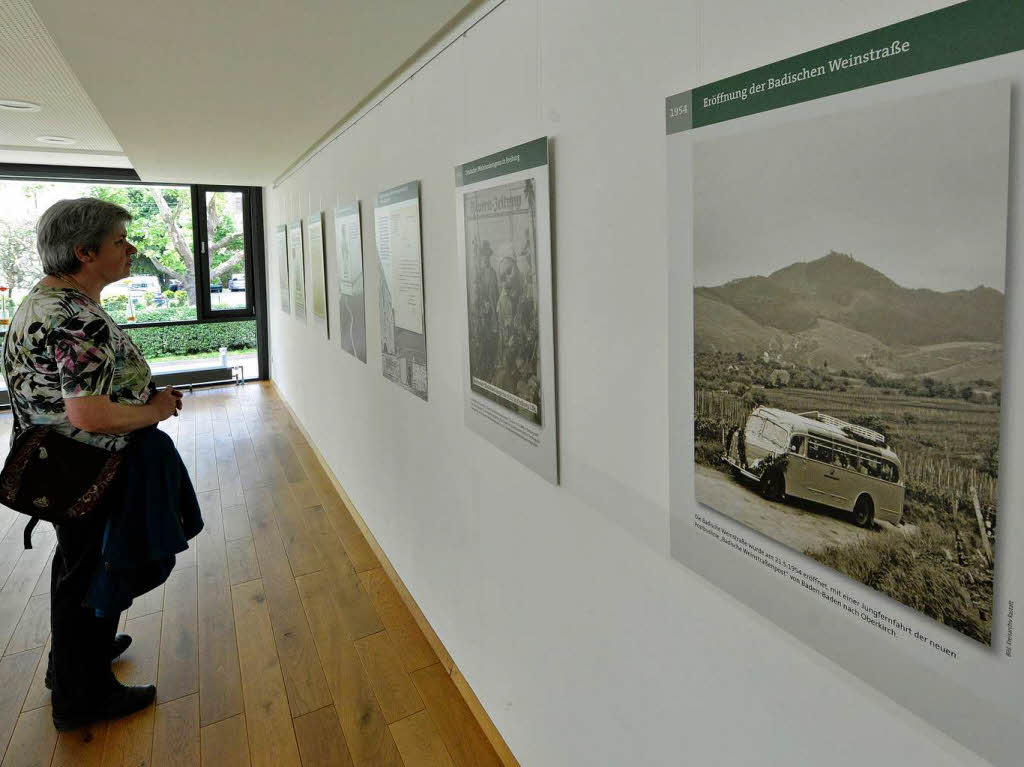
[189, 239]
[775, 434]
[873, 466]
[754, 424]
[796, 445]
[225, 249]
[848, 458]
[818, 450]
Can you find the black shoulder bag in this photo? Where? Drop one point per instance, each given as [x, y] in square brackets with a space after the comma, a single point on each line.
[53, 477]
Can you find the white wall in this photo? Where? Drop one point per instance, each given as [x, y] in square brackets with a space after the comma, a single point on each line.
[585, 642]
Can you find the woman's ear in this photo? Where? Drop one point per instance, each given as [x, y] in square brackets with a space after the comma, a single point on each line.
[83, 254]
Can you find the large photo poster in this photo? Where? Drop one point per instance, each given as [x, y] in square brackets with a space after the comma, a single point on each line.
[403, 334]
[842, 343]
[315, 229]
[280, 248]
[502, 210]
[854, 332]
[297, 269]
[348, 244]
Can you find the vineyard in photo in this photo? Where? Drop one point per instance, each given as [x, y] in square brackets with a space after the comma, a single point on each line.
[939, 560]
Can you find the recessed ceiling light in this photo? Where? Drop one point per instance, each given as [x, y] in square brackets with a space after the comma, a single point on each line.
[13, 105]
[56, 140]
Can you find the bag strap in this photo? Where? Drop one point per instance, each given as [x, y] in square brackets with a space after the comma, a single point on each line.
[28, 531]
[33, 521]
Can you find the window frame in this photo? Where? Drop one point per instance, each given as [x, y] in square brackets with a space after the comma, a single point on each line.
[201, 235]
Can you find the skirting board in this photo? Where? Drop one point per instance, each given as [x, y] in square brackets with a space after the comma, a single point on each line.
[475, 706]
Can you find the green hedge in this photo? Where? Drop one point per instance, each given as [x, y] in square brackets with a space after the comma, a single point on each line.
[194, 339]
[117, 311]
[166, 314]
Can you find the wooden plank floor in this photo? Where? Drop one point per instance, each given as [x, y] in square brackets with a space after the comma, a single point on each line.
[277, 640]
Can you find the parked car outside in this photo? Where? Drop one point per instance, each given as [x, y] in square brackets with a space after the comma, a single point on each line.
[236, 283]
[136, 285]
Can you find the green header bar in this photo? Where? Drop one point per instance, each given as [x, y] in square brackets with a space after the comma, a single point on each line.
[532, 154]
[969, 31]
[410, 191]
[351, 209]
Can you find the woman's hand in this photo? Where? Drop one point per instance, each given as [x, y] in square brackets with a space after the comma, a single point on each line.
[166, 402]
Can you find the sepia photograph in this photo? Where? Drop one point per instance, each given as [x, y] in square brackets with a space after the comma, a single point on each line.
[501, 276]
[848, 341]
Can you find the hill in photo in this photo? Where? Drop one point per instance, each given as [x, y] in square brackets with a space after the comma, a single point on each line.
[839, 311]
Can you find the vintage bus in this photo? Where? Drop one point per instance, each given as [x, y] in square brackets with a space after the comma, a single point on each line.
[819, 458]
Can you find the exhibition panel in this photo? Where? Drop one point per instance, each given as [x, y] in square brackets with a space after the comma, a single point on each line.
[504, 238]
[403, 334]
[297, 269]
[838, 223]
[279, 247]
[348, 245]
[315, 230]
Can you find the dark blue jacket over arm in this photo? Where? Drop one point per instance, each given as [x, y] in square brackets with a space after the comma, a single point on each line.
[154, 518]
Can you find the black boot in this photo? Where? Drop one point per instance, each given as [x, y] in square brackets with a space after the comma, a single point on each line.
[118, 646]
[119, 700]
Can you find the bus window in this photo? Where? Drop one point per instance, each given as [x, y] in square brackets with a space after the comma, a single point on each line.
[796, 445]
[889, 472]
[775, 434]
[819, 451]
[754, 424]
[853, 461]
[847, 458]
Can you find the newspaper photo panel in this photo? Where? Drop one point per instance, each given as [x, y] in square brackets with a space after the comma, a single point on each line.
[502, 209]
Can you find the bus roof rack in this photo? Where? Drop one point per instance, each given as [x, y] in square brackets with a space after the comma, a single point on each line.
[855, 431]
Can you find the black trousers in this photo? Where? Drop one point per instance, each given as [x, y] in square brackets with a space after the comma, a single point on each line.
[80, 642]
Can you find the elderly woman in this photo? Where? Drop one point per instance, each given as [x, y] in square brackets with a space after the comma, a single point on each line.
[70, 367]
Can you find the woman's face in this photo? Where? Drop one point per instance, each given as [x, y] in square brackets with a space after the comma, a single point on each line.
[113, 260]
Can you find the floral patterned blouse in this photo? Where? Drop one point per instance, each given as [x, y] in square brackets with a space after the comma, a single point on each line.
[61, 344]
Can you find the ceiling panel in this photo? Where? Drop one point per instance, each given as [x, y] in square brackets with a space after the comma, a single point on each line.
[33, 69]
[234, 91]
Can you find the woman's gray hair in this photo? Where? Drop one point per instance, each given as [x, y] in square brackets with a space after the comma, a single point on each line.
[69, 223]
